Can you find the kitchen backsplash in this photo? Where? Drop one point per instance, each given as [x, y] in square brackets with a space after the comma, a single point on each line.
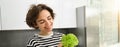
[19, 38]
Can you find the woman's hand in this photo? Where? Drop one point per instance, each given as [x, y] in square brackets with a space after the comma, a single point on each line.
[60, 45]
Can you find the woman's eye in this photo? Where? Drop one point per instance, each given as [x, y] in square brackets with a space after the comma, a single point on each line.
[41, 22]
[49, 18]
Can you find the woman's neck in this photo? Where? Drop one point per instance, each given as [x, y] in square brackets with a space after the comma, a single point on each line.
[45, 33]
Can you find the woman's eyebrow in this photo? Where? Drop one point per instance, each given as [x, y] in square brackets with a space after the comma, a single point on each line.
[49, 15]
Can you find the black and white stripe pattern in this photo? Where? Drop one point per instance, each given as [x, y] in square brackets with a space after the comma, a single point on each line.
[51, 41]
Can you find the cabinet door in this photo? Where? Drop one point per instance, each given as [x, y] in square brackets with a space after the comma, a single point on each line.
[13, 13]
[64, 13]
[0, 17]
[68, 13]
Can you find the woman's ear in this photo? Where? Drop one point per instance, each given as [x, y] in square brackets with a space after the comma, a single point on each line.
[35, 25]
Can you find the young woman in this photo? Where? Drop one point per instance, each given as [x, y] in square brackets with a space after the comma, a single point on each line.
[42, 17]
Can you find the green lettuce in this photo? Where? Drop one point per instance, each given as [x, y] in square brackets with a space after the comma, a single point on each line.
[69, 40]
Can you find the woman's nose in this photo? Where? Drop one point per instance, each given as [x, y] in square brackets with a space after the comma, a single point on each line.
[47, 23]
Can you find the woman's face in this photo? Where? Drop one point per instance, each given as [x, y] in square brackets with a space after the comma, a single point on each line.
[45, 21]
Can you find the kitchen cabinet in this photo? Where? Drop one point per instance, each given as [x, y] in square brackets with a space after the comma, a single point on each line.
[68, 13]
[0, 17]
[13, 13]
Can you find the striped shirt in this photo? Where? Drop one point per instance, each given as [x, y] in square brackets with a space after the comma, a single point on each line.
[51, 40]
